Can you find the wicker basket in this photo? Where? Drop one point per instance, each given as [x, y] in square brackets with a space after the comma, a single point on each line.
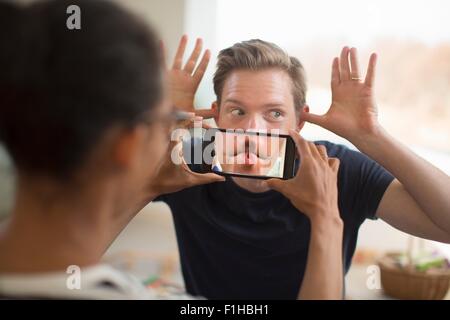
[408, 283]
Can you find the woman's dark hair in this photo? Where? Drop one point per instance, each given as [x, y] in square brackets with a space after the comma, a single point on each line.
[61, 89]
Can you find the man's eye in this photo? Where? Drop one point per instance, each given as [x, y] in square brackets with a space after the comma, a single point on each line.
[276, 114]
[237, 112]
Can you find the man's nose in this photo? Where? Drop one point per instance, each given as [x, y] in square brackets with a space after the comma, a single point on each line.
[256, 123]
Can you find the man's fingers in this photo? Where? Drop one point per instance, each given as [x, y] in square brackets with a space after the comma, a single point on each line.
[200, 71]
[370, 77]
[206, 113]
[313, 118]
[188, 123]
[186, 117]
[355, 74]
[192, 61]
[178, 61]
[335, 74]
[345, 67]
[206, 126]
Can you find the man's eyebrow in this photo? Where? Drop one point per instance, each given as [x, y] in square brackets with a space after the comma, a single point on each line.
[273, 104]
[233, 101]
[267, 105]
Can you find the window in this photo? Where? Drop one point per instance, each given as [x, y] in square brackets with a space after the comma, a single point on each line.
[412, 39]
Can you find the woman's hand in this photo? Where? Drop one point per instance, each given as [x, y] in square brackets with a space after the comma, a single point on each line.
[313, 190]
[174, 174]
[185, 80]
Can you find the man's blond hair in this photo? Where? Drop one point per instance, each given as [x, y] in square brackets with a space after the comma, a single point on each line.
[259, 55]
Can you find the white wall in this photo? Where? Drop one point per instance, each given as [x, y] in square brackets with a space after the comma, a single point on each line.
[172, 19]
[166, 16]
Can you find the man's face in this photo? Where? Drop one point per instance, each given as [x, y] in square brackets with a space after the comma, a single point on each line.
[260, 100]
[257, 101]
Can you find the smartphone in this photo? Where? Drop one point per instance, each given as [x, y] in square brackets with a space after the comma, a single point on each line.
[239, 153]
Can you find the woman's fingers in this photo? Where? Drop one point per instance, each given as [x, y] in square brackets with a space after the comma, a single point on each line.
[314, 150]
[334, 163]
[323, 152]
[176, 152]
[202, 178]
[277, 185]
[308, 149]
[210, 177]
[301, 144]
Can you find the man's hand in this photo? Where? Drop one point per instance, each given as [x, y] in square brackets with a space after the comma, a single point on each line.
[415, 203]
[313, 190]
[353, 112]
[184, 81]
[173, 177]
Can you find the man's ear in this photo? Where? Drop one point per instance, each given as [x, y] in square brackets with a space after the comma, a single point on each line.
[215, 107]
[300, 122]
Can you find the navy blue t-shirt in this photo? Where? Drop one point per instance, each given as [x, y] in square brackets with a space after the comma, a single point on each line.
[235, 244]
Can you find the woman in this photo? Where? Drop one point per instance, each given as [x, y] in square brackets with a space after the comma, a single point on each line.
[86, 121]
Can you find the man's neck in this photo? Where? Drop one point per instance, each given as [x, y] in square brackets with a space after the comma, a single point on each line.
[51, 229]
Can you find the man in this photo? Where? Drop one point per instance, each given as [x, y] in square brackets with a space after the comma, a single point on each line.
[86, 120]
[244, 238]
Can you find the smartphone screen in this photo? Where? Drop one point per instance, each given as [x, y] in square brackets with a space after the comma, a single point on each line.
[257, 155]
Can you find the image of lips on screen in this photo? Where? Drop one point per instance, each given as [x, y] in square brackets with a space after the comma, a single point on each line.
[249, 154]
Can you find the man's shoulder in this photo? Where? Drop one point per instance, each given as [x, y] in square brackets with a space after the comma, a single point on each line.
[346, 153]
[335, 149]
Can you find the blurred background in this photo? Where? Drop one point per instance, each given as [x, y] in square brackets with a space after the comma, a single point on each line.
[412, 39]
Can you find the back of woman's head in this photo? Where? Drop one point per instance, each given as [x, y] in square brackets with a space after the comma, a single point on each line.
[61, 89]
